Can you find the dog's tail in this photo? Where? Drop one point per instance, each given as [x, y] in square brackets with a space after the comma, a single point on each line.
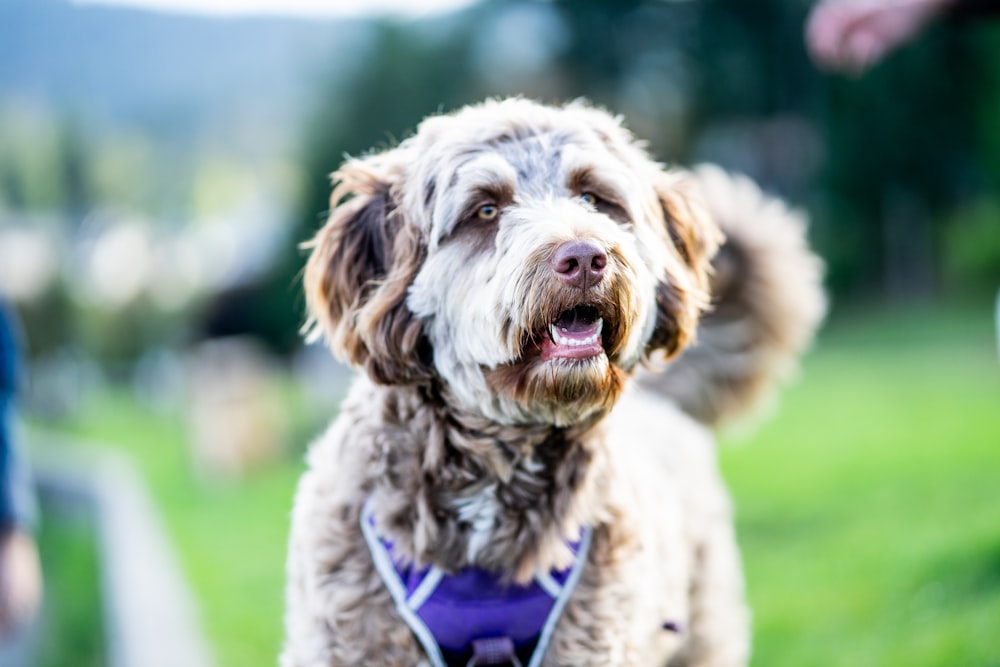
[767, 300]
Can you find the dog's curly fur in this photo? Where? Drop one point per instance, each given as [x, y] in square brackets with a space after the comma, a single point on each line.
[476, 446]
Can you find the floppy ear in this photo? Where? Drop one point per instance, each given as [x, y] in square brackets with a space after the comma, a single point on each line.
[362, 263]
[685, 292]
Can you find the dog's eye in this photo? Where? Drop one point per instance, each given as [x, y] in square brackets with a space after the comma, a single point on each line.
[590, 198]
[488, 212]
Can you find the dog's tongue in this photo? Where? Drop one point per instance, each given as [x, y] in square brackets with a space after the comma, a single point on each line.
[575, 335]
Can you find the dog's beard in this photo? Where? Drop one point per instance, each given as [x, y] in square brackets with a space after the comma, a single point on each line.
[560, 391]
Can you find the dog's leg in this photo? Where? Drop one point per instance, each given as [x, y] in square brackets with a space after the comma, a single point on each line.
[614, 617]
[719, 635]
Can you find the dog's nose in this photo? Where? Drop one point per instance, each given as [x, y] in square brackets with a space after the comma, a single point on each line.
[579, 263]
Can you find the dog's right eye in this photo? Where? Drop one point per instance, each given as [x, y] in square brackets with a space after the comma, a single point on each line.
[488, 212]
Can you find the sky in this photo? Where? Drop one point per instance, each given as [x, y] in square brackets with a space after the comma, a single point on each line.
[313, 8]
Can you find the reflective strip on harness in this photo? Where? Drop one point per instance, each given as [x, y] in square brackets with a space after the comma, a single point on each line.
[451, 611]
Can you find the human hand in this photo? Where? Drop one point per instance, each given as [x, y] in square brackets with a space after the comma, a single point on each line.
[20, 580]
[853, 35]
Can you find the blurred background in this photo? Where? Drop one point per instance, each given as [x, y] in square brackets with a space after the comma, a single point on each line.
[161, 162]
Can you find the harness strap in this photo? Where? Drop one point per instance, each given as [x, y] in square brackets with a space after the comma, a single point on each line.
[490, 650]
[563, 597]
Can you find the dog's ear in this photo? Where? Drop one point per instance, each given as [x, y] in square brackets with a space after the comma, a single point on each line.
[362, 263]
[684, 294]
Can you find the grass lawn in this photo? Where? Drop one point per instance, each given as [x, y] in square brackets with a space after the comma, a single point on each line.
[868, 507]
[230, 536]
[71, 624]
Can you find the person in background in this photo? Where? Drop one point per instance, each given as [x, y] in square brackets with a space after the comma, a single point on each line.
[853, 35]
[20, 573]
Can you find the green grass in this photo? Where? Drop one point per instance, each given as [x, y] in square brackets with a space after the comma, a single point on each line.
[868, 507]
[230, 535]
[71, 623]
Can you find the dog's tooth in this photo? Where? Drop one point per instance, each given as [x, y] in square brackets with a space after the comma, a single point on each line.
[559, 339]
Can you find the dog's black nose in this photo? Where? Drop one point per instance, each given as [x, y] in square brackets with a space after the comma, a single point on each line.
[579, 263]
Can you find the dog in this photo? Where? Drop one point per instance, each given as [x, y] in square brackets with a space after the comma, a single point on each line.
[550, 325]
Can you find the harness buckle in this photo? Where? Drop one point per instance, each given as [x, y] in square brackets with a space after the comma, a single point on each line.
[493, 651]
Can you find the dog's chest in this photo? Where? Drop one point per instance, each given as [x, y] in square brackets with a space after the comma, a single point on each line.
[479, 511]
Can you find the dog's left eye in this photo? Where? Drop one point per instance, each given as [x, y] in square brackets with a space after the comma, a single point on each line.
[590, 198]
[488, 212]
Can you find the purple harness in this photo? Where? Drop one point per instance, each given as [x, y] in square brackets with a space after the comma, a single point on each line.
[471, 617]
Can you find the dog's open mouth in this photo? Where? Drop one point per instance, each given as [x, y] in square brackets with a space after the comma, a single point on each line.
[576, 334]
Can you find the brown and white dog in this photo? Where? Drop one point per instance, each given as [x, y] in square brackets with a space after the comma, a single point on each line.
[523, 286]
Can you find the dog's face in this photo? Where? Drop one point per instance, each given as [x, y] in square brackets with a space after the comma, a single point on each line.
[527, 256]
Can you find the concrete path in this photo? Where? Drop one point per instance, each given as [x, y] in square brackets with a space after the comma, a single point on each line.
[151, 618]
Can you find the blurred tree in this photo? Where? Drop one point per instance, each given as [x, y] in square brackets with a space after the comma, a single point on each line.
[633, 57]
[603, 45]
[73, 169]
[51, 322]
[42, 162]
[903, 148]
[972, 245]
[124, 172]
